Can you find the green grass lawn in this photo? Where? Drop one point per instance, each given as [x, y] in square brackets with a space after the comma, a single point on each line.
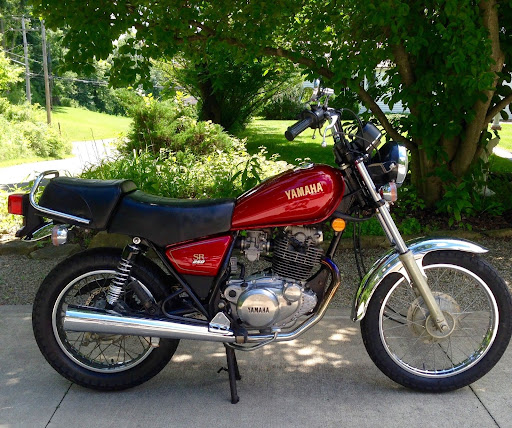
[78, 124]
[270, 133]
[506, 136]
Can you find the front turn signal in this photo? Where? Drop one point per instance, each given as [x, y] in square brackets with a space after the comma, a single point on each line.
[338, 225]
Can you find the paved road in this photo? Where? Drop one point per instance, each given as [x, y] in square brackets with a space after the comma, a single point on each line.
[84, 153]
[323, 379]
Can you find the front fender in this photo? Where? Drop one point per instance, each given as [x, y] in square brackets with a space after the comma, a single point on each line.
[391, 264]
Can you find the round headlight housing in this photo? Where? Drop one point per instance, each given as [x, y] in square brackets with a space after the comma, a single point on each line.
[389, 164]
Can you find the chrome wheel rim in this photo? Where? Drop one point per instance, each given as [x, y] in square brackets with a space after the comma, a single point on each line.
[461, 294]
[97, 352]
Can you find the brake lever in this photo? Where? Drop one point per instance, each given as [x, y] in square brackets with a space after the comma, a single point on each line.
[334, 118]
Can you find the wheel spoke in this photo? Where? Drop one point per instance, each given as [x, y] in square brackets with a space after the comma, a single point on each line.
[101, 352]
[403, 317]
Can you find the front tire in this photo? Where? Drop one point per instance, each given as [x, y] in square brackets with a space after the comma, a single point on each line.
[98, 361]
[403, 342]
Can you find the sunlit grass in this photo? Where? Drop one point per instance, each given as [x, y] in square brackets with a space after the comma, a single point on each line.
[270, 133]
[506, 136]
[76, 124]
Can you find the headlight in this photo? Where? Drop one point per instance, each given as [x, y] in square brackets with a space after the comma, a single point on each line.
[403, 165]
[389, 164]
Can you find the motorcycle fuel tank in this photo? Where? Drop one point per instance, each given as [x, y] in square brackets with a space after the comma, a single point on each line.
[301, 196]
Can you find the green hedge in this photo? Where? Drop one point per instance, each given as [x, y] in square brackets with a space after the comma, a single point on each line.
[24, 134]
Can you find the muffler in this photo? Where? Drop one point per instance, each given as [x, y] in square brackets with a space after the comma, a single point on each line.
[79, 318]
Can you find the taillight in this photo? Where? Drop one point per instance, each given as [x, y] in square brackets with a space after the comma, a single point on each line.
[15, 204]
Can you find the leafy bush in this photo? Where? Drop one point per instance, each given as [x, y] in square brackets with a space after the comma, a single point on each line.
[285, 105]
[9, 223]
[25, 134]
[186, 174]
[172, 126]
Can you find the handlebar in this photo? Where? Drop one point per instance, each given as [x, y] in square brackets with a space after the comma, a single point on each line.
[310, 118]
[298, 127]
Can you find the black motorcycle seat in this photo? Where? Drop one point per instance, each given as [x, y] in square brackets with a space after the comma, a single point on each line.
[166, 221]
[94, 200]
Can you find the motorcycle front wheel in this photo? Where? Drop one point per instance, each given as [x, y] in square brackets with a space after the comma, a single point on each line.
[98, 361]
[404, 343]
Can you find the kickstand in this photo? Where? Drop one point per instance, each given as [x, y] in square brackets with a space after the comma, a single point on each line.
[234, 373]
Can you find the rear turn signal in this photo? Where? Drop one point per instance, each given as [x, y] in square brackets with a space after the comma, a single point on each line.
[15, 204]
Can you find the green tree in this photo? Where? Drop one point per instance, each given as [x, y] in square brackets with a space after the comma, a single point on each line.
[229, 89]
[448, 60]
[9, 74]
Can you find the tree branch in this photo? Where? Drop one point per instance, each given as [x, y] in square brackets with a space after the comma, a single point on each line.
[379, 114]
[323, 71]
[496, 109]
[403, 63]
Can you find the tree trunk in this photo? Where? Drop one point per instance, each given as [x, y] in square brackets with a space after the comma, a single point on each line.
[210, 107]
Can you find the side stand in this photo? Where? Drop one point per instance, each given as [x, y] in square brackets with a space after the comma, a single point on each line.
[233, 372]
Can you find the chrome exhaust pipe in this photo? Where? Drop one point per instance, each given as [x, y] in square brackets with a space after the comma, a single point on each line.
[94, 320]
[106, 322]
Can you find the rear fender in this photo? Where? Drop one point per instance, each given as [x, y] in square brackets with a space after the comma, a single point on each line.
[390, 264]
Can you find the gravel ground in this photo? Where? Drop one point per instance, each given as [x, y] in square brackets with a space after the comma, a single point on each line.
[20, 276]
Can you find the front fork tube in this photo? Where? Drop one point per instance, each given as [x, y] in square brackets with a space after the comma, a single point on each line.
[416, 275]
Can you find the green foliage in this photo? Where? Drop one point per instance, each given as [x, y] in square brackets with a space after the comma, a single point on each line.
[229, 89]
[410, 226]
[25, 134]
[171, 126]
[9, 223]
[189, 175]
[286, 105]
[345, 99]
[371, 227]
[438, 57]
[461, 202]
[408, 201]
[9, 74]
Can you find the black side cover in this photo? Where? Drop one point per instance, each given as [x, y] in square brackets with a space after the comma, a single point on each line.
[166, 221]
[94, 200]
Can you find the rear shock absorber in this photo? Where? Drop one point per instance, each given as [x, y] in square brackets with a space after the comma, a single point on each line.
[124, 268]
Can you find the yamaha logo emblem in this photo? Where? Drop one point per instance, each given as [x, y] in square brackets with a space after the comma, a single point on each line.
[299, 192]
[258, 310]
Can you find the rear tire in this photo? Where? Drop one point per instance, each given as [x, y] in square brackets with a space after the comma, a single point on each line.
[99, 361]
[401, 339]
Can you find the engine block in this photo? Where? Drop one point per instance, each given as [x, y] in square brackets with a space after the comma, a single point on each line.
[266, 301]
[296, 252]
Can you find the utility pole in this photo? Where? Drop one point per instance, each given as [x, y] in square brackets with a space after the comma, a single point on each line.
[46, 79]
[27, 69]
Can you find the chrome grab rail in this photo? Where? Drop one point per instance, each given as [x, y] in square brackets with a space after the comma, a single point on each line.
[49, 211]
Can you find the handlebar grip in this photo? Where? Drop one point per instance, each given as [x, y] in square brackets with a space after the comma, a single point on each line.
[298, 127]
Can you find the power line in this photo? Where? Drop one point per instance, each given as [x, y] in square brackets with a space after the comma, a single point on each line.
[73, 79]
[21, 56]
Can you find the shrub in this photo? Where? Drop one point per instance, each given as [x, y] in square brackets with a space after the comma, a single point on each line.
[186, 174]
[25, 134]
[172, 126]
[284, 106]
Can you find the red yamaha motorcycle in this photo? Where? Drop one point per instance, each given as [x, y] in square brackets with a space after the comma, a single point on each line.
[434, 315]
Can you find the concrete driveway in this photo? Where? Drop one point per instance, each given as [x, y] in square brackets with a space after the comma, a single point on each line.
[323, 379]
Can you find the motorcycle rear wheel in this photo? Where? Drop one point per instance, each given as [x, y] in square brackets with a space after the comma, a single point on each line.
[403, 342]
[98, 361]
